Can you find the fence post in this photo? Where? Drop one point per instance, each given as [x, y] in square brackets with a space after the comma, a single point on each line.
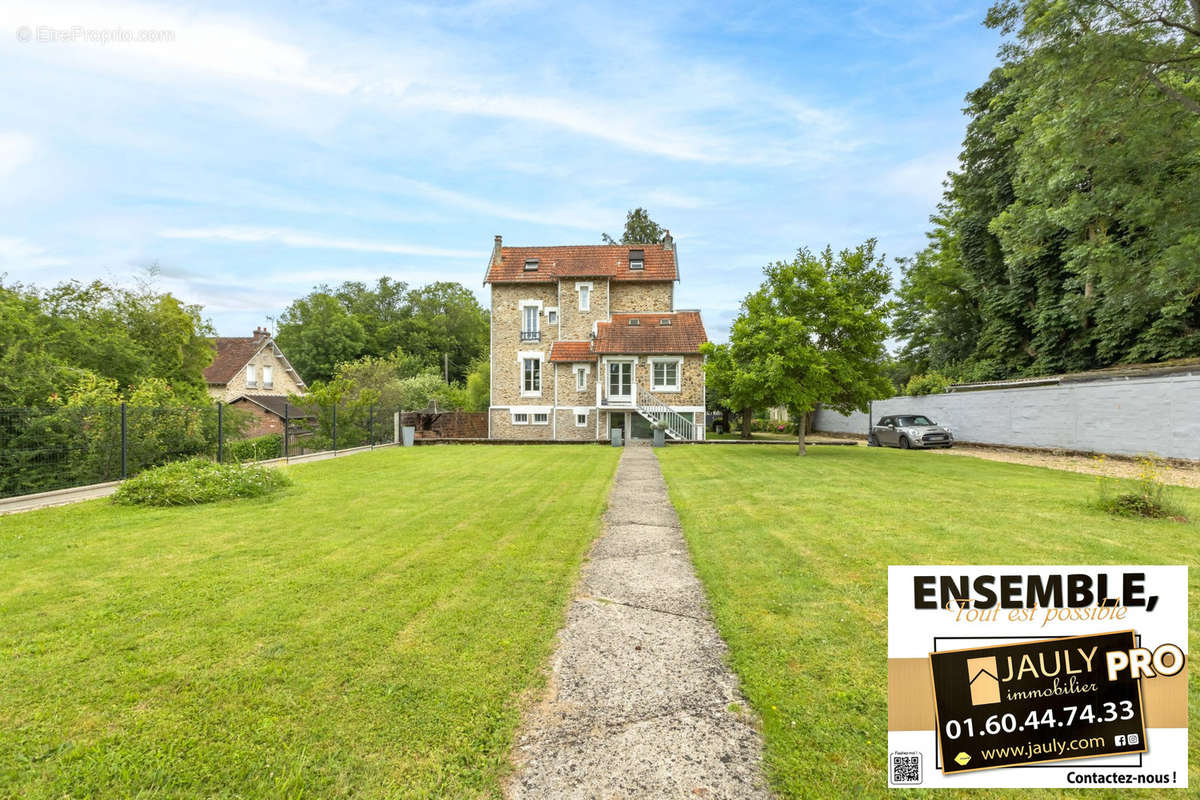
[283, 444]
[396, 427]
[220, 432]
[124, 445]
[371, 425]
[335, 426]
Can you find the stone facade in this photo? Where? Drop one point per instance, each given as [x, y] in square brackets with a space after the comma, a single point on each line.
[549, 281]
[645, 296]
[507, 315]
[283, 383]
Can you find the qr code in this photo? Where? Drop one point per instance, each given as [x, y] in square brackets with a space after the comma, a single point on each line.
[906, 768]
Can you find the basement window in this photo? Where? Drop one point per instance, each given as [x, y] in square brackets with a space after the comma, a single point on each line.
[520, 419]
[664, 321]
[541, 418]
[637, 259]
[531, 265]
[635, 322]
[581, 420]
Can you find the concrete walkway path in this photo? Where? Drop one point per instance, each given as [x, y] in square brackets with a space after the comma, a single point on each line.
[640, 703]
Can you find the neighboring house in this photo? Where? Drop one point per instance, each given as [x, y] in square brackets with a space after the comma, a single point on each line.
[270, 413]
[250, 365]
[585, 339]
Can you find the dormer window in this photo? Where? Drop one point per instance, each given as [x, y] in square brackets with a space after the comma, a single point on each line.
[635, 321]
[531, 265]
[637, 259]
[665, 321]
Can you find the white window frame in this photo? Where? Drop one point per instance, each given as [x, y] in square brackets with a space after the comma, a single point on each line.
[251, 377]
[537, 321]
[533, 419]
[522, 357]
[668, 388]
[633, 364]
[268, 376]
[581, 414]
[551, 316]
[582, 372]
[520, 418]
[584, 290]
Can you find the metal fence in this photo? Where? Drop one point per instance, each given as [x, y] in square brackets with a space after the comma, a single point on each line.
[42, 449]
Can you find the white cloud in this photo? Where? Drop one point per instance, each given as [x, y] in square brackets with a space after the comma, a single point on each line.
[666, 105]
[20, 254]
[16, 150]
[221, 45]
[920, 178]
[586, 218]
[291, 238]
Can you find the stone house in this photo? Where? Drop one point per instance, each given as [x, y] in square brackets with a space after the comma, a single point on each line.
[586, 339]
[250, 366]
[270, 414]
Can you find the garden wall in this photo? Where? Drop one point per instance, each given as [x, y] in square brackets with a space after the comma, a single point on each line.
[1129, 416]
[448, 425]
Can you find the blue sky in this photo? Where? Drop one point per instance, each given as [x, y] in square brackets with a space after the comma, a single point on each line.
[260, 151]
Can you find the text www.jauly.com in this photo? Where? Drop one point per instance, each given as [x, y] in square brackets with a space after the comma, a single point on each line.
[1055, 747]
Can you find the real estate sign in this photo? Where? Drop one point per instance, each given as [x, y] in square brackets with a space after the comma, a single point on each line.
[1037, 676]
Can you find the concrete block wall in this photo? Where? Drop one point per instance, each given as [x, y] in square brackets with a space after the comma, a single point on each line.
[1159, 415]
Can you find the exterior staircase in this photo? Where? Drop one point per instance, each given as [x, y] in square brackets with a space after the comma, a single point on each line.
[655, 410]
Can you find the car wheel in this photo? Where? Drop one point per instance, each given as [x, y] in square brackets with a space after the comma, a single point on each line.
[905, 443]
[872, 441]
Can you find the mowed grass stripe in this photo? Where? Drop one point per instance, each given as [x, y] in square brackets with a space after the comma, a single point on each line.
[369, 632]
[793, 553]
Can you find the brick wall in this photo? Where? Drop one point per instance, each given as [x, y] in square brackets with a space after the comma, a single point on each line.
[262, 421]
[448, 425]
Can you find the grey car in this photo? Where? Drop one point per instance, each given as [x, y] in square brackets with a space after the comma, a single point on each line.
[909, 430]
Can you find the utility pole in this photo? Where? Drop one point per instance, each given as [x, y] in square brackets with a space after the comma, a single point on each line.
[446, 367]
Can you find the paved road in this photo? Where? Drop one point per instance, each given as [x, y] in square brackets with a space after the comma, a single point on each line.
[641, 703]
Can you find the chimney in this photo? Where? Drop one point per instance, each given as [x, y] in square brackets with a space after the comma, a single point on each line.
[261, 333]
[496, 250]
[668, 243]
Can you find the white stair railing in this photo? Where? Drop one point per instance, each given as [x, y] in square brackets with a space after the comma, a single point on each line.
[655, 410]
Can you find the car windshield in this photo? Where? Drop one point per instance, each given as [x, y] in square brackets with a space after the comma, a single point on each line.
[917, 420]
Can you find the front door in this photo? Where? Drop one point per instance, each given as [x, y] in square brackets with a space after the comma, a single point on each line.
[620, 381]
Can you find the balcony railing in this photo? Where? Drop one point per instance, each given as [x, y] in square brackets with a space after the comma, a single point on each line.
[531, 336]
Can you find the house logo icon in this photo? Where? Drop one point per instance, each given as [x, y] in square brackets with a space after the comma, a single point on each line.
[985, 686]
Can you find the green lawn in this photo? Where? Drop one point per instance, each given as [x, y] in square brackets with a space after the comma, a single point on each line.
[794, 553]
[370, 632]
[766, 436]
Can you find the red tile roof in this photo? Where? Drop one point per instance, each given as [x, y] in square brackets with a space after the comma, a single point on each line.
[582, 261]
[685, 334]
[572, 351]
[232, 354]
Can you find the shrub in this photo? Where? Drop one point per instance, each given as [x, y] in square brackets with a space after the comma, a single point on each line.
[1148, 496]
[257, 449]
[198, 481]
[929, 383]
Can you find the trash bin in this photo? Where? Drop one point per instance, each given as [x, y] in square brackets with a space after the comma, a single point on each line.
[407, 432]
[616, 438]
[660, 437]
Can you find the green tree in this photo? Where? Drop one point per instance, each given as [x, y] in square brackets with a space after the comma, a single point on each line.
[812, 333]
[479, 386]
[447, 326]
[52, 339]
[730, 389]
[639, 229]
[318, 333]
[438, 325]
